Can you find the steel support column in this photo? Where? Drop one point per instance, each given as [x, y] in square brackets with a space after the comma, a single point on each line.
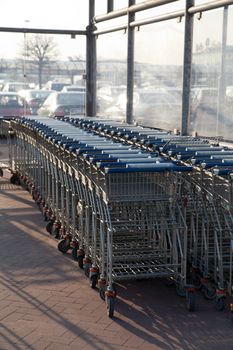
[130, 67]
[187, 68]
[91, 63]
[110, 6]
[222, 77]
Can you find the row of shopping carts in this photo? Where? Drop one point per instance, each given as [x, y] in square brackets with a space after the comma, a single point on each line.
[132, 202]
[116, 207]
[207, 199]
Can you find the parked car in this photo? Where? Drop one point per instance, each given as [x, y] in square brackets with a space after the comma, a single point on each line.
[204, 98]
[152, 107]
[108, 98]
[12, 105]
[34, 98]
[15, 86]
[55, 85]
[73, 88]
[157, 108]
[59, 104]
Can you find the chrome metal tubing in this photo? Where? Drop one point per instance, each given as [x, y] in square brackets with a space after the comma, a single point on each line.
[210, 6]
[134, 8]
[155, 19]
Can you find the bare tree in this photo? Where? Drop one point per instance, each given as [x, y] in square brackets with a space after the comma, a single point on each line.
[40, 49]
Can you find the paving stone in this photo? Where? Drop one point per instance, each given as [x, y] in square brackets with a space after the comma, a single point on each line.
[8, 310]
[46, 301]
[41, 344]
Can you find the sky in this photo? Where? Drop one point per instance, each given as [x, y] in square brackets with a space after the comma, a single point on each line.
[71, 14]
[157, 43]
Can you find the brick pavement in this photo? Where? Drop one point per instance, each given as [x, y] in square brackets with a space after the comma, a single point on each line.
[46, 302]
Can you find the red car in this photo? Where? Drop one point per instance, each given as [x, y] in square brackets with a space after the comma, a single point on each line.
[12, 105]
[34, 98]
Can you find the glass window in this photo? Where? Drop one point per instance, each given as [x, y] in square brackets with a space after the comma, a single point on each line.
[71, 99]
[200, 2]
[159, 10]
[119, 4]
[158, 74]
[111, 75]
[212, 74]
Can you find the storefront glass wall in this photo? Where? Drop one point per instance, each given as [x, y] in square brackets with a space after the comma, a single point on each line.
[212, 74]
[158, 74]
[112, 75]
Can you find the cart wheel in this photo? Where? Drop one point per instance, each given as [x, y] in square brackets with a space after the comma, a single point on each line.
[86, 271]
[220, 304]
[196, 281]
[190, 301]
[93, 281]
[15, 179]
[56, 233]
[209, 291]
[63, 246]
[180, 290]
[169, 282]
[102, 294]
[80, 261]
[74, 253]
[110, 306]
[49, 227]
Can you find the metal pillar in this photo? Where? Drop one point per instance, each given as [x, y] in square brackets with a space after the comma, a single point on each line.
[110, 6]
[187, 67]
[222, 77]
[91, 63]
[130, 67]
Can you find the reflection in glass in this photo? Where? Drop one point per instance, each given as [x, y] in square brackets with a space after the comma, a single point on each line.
[158, 75]
[111, 75]
[212, 75]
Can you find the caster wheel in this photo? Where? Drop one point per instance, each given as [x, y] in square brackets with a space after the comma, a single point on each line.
[110, 306]
[102, 294]
[56, 233]
[49, 227]
[220, 304]
[80, 261]
[196, 281]
[191, 301]
[209, 291]
[180, 290]
[86, 271]
[74, 253]
[169, 282]
[15, 179]
[63, 246]
[93, 281]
